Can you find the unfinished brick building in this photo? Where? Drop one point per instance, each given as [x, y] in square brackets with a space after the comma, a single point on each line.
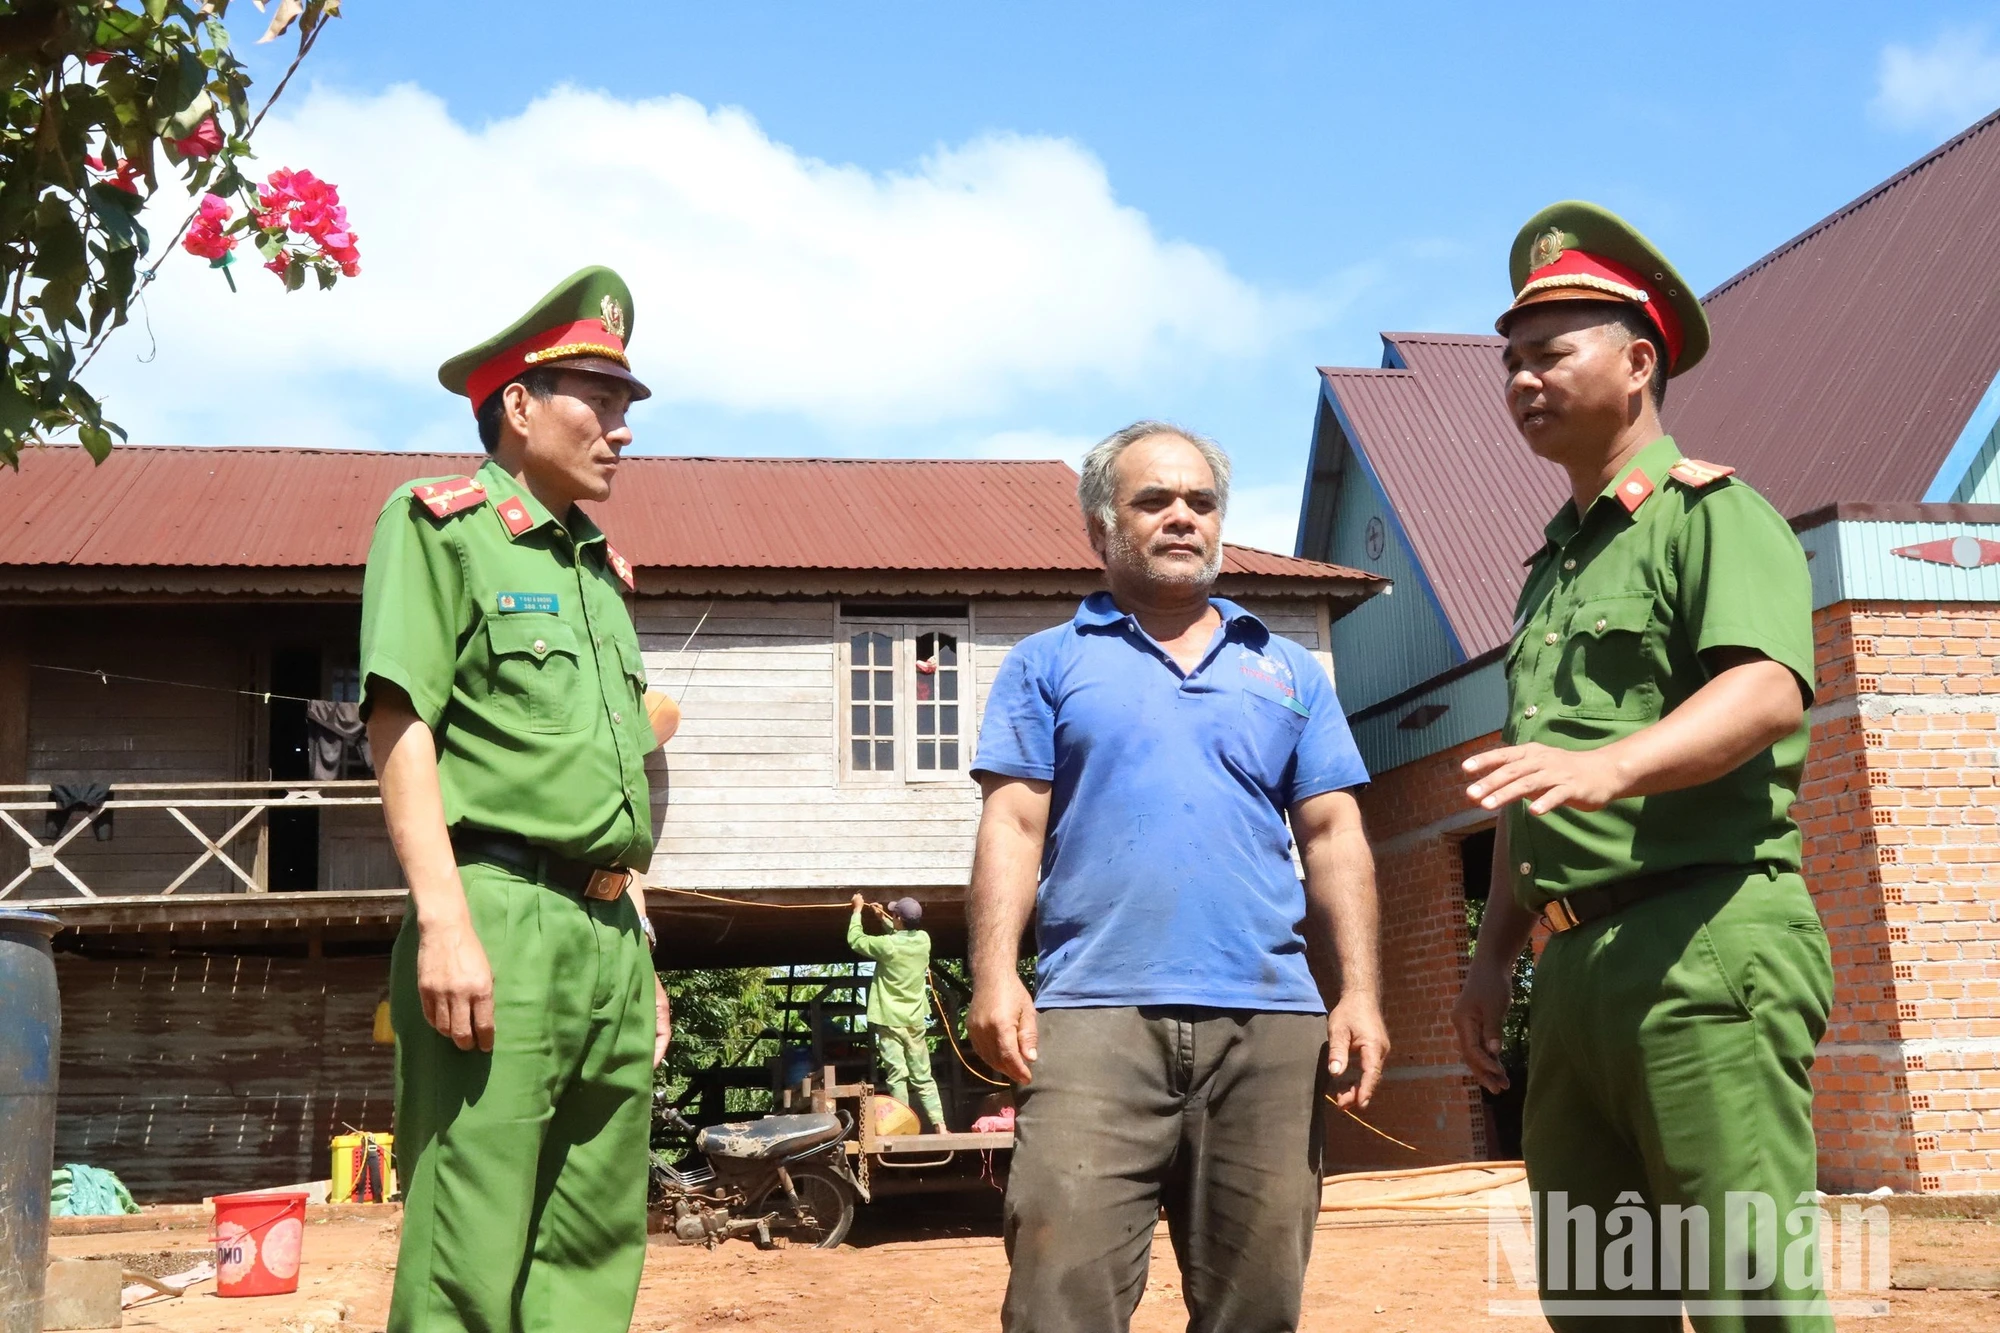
[1853, 383]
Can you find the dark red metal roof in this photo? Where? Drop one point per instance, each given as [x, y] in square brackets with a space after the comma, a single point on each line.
[306, 508]
[1848, 360]
[1471, 498]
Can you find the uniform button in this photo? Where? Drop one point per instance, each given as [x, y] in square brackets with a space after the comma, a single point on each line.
[617, 717]
[1569, 564]
[1600, 627]
[541, 645]
[1527, 867]
[1530, 711]
[1550, 637]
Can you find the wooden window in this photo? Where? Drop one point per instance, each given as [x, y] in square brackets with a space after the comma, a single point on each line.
[935, 690]
[871, 701]
[907, 701]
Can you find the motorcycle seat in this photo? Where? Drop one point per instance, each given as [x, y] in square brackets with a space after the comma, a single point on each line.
[773, 1136]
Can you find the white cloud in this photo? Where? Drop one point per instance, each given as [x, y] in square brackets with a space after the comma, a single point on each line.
[1945, 86]
[764, 280]
[1266, 517]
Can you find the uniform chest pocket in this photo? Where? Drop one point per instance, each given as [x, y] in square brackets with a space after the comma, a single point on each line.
[1607, 668]
[537, 679]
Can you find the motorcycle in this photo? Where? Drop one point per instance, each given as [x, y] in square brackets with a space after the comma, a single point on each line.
[784, 1175]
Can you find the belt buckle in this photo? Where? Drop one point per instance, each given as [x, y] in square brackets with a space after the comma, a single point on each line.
[1556, 914]
[607, 886]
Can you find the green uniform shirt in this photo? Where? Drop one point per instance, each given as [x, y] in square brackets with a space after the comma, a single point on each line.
[516, 649]
[899, 996]
[1616, 608]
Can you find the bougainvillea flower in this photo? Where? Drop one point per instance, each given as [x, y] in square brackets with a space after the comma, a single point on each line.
[205, 235]
[206, 141]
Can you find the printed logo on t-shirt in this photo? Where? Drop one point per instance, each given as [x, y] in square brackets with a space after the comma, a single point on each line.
[1270, 677]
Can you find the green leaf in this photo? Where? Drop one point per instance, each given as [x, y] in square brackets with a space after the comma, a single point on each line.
[96, 440]
[189, 118]
[118, 28]
[295, 274]
[116, 215]
[156, 10]
[327, 275]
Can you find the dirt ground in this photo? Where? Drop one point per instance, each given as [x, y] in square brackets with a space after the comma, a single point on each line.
[942, 1268]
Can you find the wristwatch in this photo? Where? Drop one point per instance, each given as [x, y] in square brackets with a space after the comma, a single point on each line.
[652, 936]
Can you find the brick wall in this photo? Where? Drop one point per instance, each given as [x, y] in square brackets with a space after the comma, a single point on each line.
[1899, 807]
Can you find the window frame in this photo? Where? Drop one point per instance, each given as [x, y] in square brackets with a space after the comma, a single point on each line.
[903, 635]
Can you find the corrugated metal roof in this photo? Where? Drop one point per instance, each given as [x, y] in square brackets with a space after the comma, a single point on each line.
[303, 508]
[1471, 498]
[1848, 360]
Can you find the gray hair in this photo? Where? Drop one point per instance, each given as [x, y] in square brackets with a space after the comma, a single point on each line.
[1097, 488]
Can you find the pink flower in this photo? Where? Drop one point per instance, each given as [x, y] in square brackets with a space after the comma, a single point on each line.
[206, 141]
[280, 264]
[205, 235]
[97, 58]
[125, 178]
[351, 267]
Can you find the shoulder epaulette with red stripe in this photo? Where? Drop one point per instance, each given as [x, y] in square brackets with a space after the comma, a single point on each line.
[620, 566]
[1698, 474]
[448, 495]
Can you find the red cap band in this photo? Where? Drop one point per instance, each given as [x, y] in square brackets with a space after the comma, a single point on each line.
[1580, 271]
[586, 337]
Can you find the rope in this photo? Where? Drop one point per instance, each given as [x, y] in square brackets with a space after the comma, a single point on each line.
[742, 902]
[944, 1017]
[108, 676]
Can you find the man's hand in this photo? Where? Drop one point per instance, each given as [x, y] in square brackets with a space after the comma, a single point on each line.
[1357, 1048]
[1477, 1018]
[1001, 1022]
[663, 1021]
[857, 902]
[455, 983]
[1545, 777]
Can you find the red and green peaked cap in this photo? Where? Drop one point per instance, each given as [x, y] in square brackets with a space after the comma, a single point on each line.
[582, 324]
[1578, 251]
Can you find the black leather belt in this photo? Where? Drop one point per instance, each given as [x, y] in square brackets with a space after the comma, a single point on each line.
[511, 851]
[1584, 906]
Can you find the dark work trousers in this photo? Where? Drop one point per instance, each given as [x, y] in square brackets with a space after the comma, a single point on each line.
[1211, 1113]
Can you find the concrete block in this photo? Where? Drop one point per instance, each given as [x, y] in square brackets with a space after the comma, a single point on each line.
[83, 1293]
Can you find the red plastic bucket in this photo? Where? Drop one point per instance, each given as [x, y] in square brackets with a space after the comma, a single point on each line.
[257, 1243]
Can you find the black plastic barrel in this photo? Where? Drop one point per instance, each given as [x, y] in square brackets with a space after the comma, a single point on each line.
[30, 1037]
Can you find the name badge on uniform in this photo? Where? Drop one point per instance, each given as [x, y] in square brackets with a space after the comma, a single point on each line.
[544, 602]
[1270, 678]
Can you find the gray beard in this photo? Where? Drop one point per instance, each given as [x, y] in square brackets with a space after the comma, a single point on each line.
[1122, 550]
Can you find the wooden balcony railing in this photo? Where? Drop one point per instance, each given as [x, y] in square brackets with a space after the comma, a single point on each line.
[254, 799]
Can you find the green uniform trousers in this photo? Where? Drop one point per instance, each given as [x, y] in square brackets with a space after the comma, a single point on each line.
[906, 1055]
[1669, 1050]
[524, 1170]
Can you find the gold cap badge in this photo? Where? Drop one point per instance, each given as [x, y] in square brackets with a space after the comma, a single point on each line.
[1548, 248]
[614, 316]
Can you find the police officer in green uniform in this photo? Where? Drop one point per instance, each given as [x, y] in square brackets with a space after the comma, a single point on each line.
[504, 692]
[1657, 685]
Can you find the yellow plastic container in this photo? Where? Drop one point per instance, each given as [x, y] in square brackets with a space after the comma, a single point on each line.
[346, 1155]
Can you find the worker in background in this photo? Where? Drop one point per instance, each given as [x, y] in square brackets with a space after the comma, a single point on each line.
[1657, 685]
[899, 1005]
[1139, 766]
[504, 693]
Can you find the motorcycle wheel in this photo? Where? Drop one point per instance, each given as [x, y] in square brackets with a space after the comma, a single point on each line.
[826, 1196]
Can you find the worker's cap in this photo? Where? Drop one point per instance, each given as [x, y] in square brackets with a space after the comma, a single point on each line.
[907, 910]
[582, 324]
[1577, 251]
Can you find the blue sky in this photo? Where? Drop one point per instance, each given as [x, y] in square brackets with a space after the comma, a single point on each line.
[914, 229]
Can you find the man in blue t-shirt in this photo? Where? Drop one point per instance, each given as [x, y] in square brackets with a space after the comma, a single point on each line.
[1139, 765]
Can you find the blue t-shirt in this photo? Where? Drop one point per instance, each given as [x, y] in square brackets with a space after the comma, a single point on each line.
[1167, 873]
